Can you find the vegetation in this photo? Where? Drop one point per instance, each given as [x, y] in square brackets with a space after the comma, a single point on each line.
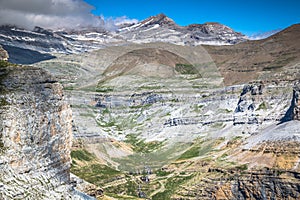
[196, 150]
[162, 173]
[186, 69]
[2, 147]
[4, 63]
[262, 106]
[242, 167]
[128, 188]
[95, 173]
[69, 88]
[197, 108]
[172, 184]
[270, 68]
[3, 102]
[150, 87]
[140, 146]
[82, 155]
[104, 89]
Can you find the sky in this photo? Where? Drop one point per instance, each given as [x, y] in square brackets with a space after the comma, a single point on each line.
[248, 16]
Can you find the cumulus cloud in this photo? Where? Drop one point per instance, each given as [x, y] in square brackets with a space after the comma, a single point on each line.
[124, 20]
[53, 14]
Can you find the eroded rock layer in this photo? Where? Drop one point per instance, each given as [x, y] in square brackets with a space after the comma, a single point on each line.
[35, 137]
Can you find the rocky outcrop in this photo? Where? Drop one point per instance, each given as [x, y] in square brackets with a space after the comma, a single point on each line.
[260, 185]
[250, 101]
[3, 54]
[35, 137]
[296, 93]
[293, 113]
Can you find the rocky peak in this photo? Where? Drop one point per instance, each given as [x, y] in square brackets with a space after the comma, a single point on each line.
[210, 27]
[42, 31]
[160, 19]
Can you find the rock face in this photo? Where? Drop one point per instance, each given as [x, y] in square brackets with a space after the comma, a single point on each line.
[296, 99]
[3, 54]
[35, 137]
[293, 113]
[296, 102]
[162, 28]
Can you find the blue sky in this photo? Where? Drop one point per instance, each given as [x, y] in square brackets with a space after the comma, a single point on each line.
[248, 17]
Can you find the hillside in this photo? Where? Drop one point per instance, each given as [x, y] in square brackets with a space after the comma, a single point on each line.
[276, 57]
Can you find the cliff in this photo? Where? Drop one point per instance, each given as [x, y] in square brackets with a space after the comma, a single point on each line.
[35, 137]
[3, 54]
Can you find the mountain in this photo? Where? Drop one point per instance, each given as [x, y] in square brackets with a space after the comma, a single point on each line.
[41, 44]
[153, 120]
[165, 121]
[161, 28]
[277, 56]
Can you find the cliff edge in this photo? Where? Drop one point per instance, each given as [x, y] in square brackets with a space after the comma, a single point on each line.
[35, 137]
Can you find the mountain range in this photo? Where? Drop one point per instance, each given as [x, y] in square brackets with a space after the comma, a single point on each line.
[159, 111]
[158, 28]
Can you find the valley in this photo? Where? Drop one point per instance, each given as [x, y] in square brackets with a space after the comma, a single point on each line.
[169, 130]
[156, 112]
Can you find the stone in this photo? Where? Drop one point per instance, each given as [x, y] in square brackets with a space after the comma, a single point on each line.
[35, 137]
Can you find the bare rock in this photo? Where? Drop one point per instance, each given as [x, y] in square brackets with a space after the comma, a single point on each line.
[3, 54]
[35, 137]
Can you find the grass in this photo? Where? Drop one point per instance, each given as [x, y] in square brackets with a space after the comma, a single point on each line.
[104, 89]
[262, 106]
[69, 88]
[186, 69]
[105, 111]
[155, 160]
[162, 173]
[242, 167]
[126, 190]
[82, 155]
[4, 63]
[140, 106]
[90, 170]
[140, 146]
[198, 108]
[95, 173]
[3, 102]
[270, 68]
[172, 184]
[154, 87]
[196, 150]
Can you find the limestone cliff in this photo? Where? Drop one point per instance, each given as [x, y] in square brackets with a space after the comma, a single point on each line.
[293, 113]
[35, 137]
[3, 54]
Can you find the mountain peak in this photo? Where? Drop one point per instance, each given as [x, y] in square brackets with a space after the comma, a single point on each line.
[160, 19]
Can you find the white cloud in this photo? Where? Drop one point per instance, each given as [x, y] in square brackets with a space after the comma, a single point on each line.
[263, 35]
[124, 20]
[53, 14]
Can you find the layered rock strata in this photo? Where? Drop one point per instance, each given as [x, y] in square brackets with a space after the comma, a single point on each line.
[35, 137]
